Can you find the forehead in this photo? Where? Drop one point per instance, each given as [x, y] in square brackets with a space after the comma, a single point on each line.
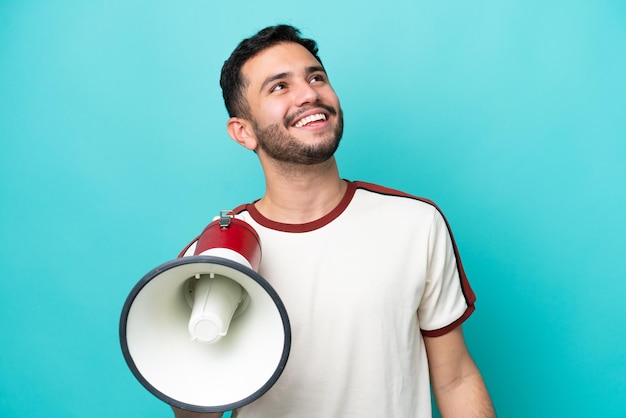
[287, 57]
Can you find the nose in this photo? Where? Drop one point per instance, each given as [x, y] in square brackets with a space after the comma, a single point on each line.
[305, 93]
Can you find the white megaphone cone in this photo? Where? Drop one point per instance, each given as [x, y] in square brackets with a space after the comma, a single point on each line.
[207, 333]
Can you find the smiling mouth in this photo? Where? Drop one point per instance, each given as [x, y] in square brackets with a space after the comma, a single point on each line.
[318, 117]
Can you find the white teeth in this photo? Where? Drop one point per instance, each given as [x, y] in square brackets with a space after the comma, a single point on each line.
[309, 119]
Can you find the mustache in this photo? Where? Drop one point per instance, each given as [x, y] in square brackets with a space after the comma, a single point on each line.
[293, 117]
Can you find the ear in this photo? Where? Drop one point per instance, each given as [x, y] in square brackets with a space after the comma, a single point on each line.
[240, 130]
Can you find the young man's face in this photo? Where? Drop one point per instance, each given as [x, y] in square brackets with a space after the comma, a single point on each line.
[295, 112]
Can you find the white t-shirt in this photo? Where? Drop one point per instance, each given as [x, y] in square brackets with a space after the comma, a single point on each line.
[361, 286]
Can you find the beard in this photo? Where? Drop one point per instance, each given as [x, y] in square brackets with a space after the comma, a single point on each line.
[282, 146]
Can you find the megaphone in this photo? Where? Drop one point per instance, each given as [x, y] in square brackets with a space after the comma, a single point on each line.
[207, 333]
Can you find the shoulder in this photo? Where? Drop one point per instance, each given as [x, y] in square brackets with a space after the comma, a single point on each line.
[396, 200]
[392, 193]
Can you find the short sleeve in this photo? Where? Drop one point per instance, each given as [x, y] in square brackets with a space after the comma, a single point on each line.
[448, 299]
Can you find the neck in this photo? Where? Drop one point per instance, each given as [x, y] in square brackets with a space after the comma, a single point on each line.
[301, 194]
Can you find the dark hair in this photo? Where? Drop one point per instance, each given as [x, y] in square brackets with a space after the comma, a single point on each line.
[232, 81]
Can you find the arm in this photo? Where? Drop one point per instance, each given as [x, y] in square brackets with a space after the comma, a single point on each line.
[457, 384]
[181, 413]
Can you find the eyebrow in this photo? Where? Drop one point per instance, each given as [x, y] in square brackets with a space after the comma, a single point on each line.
[308, 70]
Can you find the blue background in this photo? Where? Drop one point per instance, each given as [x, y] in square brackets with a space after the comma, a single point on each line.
[114, 154]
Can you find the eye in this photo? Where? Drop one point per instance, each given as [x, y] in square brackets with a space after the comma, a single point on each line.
[278, 87]
[317, 78]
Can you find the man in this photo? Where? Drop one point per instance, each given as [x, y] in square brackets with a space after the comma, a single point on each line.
[371, 277]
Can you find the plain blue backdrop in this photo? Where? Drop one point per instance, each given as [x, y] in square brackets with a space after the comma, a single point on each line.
[114, 154]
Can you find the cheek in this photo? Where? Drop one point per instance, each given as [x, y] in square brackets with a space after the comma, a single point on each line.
[271, 112]
[331, 97]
